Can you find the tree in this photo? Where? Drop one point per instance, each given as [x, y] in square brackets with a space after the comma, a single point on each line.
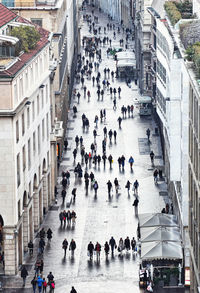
[28, 37]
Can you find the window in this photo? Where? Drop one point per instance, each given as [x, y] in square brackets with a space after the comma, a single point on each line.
[29, 189]
[39, 173]
[43, 133]
[29, 154]
[15, 93]
[161, 71]
[42, 97]
[28, 117]
[24, 157]
[34, 144]
[21, 90]
[48, 159]
[47, 123]
[26, 79]
[38, 105]
[47, 98]
[17, 131]
[37, 21]
[19, 209]
[18, 170]
[33, 110]
[31, 69]
[38, 139]
[23, 125]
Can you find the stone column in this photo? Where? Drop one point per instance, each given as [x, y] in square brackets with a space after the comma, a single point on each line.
[10, 251]
[45, 191]
[25, 229]
[36, 209]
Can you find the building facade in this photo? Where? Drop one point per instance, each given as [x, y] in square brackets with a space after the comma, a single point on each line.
[142, 26]
[60, 17]
[194, 179]
[25, 122]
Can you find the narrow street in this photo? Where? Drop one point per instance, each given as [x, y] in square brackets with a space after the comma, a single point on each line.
[100, 218]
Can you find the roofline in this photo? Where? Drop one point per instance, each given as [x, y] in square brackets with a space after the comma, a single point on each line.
[9, 22]
[25, 64]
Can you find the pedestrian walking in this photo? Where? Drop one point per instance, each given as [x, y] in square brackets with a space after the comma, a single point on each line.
[49, 234]
[114, 105]
[135, 204]
[119, 91]
[30, 247]
[61, 217]
[74, 194]
[44, 286]
[105, 132]
[110, 159]
[106, 249]
[73, 290]
[109, 184]
[77, 141]
[64, 246]
[78, 96]
[123, 162]
[148, 132]
[90, 249]
[86, 184]
[127, 244]
[113, 245]
[40, 282]
[74, 154]
[96, 119]
[72, 247]
[34, 284]
[116, 183]
[131, 161]
[120, 246]
[128, 185]
[68, 216]
[95, 186]
[119, 121]
[152, 155]
[135, 186]
[110, 134]
[119, 162]
[104, 160]
[155, 175]
[24, 274]
[115, 135]
[133, 244]
[88, 95]
[98, 251]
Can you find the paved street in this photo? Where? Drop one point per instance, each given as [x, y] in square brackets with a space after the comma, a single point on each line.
[100, 218]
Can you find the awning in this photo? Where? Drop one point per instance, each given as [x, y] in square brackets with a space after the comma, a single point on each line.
[161, 250]
[159, 219]
[157, 233]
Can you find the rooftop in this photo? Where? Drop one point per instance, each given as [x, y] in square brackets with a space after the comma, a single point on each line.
[10, 65]
[6, 15]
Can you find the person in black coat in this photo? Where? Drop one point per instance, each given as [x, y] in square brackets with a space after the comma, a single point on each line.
[24, 274]
[73, 290]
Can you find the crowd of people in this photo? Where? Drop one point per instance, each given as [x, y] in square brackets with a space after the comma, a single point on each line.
[110, 246]
[86, 161]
